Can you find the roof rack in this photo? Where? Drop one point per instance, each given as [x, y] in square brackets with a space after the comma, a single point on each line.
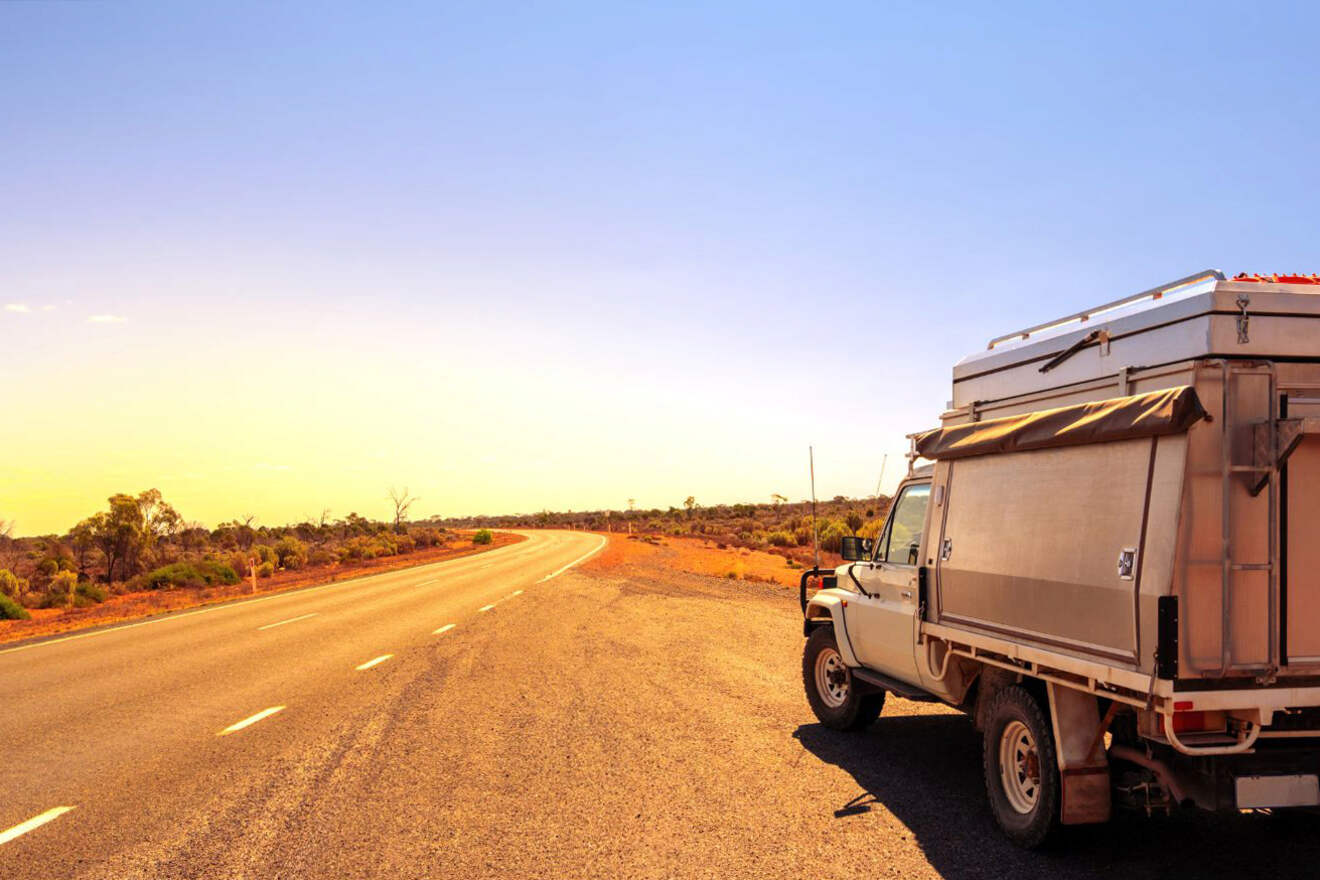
[1081, 317]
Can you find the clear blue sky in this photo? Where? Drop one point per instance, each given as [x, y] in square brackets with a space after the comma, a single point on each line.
[525, 256]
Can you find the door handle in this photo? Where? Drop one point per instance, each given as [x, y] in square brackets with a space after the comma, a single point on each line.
[907, 594]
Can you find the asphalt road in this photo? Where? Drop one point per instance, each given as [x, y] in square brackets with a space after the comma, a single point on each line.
[125, 725]
[611, 722]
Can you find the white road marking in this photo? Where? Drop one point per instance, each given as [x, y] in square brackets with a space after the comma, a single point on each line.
[250, 720]
[376, 662]
[516, 593]
[290, 620]
[424, 583]
[582, 558]
[444, 629]
[456, 563]
[32, 824]
[486, 607]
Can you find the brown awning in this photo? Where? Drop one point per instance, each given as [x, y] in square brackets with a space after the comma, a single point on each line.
[1170, 411]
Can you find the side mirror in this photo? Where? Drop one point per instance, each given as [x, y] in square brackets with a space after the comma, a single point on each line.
[855, 549]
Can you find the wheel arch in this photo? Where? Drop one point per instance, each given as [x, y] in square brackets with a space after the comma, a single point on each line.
[824, 609]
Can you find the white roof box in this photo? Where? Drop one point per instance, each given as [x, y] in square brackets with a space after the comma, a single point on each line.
[1200, 316]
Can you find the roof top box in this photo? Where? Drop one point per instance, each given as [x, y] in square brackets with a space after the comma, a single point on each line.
[1200, 316]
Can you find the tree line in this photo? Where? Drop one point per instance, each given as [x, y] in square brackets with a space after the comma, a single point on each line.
[142, 542]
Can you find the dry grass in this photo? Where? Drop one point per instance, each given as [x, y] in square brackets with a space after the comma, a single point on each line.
[130, 606]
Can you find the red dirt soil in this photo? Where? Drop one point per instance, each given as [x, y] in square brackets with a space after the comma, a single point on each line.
[129, 606]
[696, 556]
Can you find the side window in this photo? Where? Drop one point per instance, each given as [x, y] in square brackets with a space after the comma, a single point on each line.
[900, 543]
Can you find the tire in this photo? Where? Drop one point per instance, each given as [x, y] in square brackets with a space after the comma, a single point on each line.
[1021, 771]
[831, 689]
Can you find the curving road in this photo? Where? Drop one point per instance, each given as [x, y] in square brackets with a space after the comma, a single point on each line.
[111, 738]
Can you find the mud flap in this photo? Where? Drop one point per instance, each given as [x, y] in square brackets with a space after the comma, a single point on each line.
[1083, 767]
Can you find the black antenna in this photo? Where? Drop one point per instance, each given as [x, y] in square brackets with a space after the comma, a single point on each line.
[815, 532]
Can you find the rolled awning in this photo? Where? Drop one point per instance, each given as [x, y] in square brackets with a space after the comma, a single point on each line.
[1170, 411]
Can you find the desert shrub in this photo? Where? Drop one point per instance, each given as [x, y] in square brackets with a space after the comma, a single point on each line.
[190, 574]
[832, 533]
[265, 553]
[483, 536]
[404, 544]
[321, 556]
[11, 610]
[61, 588]
[872, 528]
[291, 553]
[12, 585]
[90, 591]
[854, 520]
[779, 539]
[57, 594]
[266, 569]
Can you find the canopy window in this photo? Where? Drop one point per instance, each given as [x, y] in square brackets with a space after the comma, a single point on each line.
[1170, 411]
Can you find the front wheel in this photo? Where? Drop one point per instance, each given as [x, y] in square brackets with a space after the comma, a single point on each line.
[831, 689]
[1021, 772]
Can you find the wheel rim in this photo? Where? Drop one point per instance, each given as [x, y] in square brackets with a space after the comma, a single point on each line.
[1019, 767]
[833, 680]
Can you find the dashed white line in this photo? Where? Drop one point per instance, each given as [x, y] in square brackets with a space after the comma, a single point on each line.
[486, 607]
[515, 593]
[444, 629]
[374, 662]
[290, 620]
[250, 720]
[32, 824]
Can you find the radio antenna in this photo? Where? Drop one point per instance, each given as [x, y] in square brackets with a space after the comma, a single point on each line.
[884, 461]
[815, 532]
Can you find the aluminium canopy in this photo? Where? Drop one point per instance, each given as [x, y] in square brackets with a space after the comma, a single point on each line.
[1169, 411]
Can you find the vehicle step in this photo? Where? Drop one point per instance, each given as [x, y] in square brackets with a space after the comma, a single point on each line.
[894, 686]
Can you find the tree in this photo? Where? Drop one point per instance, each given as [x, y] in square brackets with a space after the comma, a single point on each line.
[776, 499]
[119, 533]
[83, 538]
[402, 501]
[11, 550]
[691, 504]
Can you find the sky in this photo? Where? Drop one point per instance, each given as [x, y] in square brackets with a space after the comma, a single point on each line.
[277, 258]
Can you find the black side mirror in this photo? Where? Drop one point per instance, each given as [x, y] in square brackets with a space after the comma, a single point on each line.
[855, 549]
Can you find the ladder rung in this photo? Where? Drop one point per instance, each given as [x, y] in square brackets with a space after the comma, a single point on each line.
[1249, 469]
[1262, 566]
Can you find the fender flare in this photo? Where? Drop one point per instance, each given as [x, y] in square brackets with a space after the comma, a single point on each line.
[823, 608]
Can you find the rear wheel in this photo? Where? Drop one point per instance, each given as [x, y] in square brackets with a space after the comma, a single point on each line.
[1021, 772]
[835, 696]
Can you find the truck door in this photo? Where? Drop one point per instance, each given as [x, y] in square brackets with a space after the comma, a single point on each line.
[882, 621]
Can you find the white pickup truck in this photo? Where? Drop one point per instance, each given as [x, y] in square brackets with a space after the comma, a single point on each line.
[1110, 561]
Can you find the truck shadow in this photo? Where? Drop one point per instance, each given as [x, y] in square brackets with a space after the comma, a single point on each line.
[926, 771]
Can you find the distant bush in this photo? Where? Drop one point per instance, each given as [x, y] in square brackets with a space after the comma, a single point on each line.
[65, 590]
[90, 591]
[780, 539]
[12, 585]
[11, 610]
[321, 556]
[483, 536]
[266, 569]
[205, 573]
[291, 553]
[832, 533]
